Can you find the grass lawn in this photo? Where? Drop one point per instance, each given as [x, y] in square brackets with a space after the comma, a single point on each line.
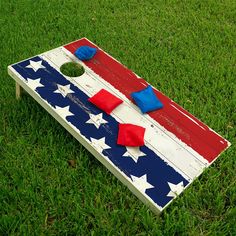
[184, 48]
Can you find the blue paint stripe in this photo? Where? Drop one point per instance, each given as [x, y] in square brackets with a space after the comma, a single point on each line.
[158, 172]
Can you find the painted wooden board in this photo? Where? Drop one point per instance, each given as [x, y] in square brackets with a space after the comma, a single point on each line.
[178, 147]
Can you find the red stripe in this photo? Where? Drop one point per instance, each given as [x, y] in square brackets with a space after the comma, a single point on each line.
[204, 141]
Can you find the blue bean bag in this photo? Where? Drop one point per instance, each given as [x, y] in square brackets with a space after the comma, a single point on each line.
[147, 100]
[85, 53]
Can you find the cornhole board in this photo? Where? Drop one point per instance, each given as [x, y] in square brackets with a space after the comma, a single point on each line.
[178, 147]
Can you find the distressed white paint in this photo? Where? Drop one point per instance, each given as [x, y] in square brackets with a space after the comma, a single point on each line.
[175, 189]
[64, 111]
[63, 90]
[34, 83]
[134, 153]
[99, 144]
[141, 183]
[35, 65]
[96, 120]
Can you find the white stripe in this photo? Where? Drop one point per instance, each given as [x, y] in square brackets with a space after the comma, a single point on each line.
[167, 146]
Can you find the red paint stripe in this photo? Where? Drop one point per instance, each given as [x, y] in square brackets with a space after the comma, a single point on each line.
[204, 141]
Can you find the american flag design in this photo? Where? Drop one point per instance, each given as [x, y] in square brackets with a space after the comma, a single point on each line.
[177, 149]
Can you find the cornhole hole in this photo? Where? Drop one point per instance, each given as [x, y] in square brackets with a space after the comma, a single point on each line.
[177, 146]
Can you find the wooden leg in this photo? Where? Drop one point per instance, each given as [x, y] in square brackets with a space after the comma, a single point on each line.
[18, 91]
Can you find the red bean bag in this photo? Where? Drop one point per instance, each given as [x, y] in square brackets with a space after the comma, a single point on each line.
[130, 135]
[105, 101]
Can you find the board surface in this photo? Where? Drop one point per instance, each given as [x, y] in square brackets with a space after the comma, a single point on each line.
[178, 147]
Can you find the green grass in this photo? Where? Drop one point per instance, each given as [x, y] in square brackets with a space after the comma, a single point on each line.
[72, 69]
[185, 48]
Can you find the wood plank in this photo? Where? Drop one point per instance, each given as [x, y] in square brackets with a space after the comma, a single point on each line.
[18, 91]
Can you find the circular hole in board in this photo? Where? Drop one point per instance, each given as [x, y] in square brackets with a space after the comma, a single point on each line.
[72, 69]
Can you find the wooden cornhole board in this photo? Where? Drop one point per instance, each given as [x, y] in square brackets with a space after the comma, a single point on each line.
[178, 147]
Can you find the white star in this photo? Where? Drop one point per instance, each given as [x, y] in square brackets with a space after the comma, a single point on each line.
[96, 120]
[34, 83]
[175, 189]
[99, 144]
[134, 153]
[64, 90]
[64, 111]
[141, 183]
[35, 65]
